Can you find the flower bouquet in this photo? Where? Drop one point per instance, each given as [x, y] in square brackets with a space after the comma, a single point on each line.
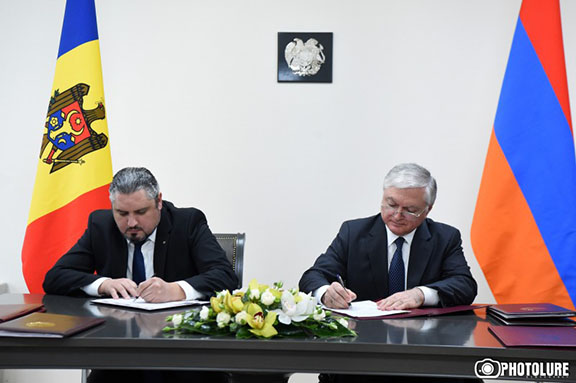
[263, 312]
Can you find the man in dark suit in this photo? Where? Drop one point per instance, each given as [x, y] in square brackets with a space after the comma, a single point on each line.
[144, 247]
[399, 258]
[436, 272]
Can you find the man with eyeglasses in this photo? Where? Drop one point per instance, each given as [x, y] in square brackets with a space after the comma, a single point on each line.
[399, 258]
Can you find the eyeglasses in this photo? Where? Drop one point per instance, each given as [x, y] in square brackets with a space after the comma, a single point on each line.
[405, 213]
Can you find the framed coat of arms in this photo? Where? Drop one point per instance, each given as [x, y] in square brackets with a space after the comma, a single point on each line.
[305, 57]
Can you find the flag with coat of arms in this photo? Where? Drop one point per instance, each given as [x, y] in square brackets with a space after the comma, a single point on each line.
[74, 165]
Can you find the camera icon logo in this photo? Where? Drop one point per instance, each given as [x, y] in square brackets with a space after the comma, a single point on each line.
[487, 369]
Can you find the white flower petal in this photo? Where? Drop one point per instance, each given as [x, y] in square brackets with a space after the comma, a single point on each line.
[299, 318]
[283, 318]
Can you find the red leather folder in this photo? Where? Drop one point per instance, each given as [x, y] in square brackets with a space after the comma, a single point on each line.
[532, 321]
[525, 336]
[9, 312]
[46, 325]
[530, 310]
[434, 311]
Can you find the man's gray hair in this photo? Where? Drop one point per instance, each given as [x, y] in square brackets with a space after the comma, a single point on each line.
[404, 176]
[130, 180]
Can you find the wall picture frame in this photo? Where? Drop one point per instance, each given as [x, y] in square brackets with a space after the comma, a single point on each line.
[305, 57]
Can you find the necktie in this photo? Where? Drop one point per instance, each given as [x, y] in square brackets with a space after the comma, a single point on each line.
[138, 269]
[396, 272]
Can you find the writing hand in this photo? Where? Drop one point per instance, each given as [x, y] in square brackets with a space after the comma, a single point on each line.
[116, 288]
[404, 300]
[157, 290]
[337, 296]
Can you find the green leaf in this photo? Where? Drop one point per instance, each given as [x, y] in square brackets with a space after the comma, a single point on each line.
[244, 333]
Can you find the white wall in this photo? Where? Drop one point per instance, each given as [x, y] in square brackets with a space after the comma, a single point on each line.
[191, 93]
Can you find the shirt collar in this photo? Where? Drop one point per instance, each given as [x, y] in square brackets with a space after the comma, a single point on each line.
[407, 237]
[151, 238]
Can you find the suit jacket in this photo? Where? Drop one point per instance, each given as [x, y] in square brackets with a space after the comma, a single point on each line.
[359, 253]
[185, 249]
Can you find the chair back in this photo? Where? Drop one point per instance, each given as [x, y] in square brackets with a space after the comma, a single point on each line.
[233, 245]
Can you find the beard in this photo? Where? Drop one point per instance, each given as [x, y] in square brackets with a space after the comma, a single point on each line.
[136, 234]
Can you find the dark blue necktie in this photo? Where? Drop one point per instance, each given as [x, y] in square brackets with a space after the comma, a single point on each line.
[138, 269]
[396, 272]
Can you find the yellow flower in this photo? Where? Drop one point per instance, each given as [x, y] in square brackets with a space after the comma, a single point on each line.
[216, 303]
[256, 321]
[234, 302]
[253, 309]
[265, 326]
[255, 286]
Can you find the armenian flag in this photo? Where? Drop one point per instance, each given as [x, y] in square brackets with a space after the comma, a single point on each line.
[74, 165]
[524, 227]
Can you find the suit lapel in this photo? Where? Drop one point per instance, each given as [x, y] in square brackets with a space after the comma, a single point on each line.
[121, 249]
[375, 247]
[160, 246]
[420, 252]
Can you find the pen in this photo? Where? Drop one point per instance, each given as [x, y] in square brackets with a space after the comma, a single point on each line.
[341, 281]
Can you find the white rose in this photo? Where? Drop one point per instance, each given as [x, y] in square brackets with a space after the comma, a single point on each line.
[204, 312]
[241, 317]
[254, 294]
[223, 318]
[267, 297]
[177, 319]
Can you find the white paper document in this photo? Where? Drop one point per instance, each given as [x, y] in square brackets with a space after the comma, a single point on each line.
[366, 309]
[141, 304]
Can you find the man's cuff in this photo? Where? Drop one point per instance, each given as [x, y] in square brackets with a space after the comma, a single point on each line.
[92, 288]
[430, 296]
[319, 292]
[191, 292]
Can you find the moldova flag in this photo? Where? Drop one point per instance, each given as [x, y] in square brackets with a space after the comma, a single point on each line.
[74, 166]
[524, 228]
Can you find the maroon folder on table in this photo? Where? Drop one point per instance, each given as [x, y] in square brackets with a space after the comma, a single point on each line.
[535, 336]
[530, 310]
[434, 311]
[532, 321]
[9, 312]
[46, 325]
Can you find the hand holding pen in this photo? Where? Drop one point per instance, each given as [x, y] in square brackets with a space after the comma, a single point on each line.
[337, 296]
[156, 289]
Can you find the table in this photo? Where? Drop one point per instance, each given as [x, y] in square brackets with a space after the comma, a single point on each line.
[437, 346]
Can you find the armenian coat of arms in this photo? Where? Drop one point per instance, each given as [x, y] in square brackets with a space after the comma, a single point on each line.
[68, 132]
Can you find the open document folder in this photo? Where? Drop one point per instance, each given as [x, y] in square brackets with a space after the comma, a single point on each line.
[366, 309]
[141, 304]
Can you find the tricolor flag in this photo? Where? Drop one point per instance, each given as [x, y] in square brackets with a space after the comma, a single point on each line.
[524, 228]
[74, 166]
